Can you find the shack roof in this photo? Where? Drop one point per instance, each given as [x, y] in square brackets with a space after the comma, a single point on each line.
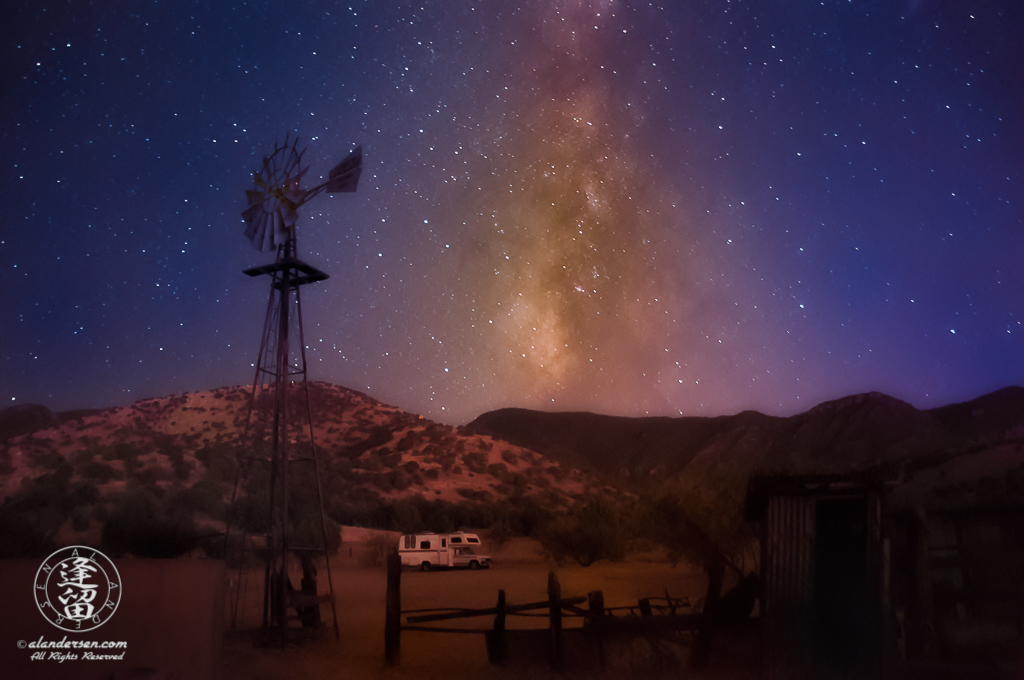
[855, 483]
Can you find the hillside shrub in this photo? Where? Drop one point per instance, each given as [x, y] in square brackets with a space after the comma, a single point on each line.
[481, 495]
[150, 474]
[499, 471]
[127, 453]
[100, 472]
[475, 461]
[182, 467]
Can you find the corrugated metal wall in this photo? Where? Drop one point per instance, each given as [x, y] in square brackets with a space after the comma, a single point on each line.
[789, 586]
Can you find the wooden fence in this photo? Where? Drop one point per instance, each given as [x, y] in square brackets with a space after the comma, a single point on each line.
[650, 616]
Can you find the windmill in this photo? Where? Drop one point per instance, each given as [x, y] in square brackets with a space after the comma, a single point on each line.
[279, 424]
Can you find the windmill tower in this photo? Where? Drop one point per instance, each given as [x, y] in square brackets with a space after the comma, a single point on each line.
[282, 515]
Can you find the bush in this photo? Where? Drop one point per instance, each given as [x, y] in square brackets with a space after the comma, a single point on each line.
[310, 533]
[501, 531]
[100, 472]
[79, 519]
[200, 497]
[220, 461]
[84, 494]
[376, 551]
[24, 535]
[251, 512]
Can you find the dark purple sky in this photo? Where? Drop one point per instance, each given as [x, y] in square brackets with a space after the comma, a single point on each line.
[625, 207]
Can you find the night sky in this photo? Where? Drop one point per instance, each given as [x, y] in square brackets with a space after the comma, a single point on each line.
[632, 208]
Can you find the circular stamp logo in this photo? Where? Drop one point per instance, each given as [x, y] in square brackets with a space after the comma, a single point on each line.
[77, 588]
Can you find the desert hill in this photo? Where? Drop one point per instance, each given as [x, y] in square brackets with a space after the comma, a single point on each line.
[71, 471]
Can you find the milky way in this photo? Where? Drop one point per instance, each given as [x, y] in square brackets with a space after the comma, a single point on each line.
[632, 208]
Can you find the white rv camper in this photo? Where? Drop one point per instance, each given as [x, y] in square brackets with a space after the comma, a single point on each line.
[430, 551]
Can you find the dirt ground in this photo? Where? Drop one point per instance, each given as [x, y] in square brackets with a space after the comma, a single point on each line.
[521, 571]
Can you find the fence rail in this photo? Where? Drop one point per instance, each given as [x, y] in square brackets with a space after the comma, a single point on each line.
[647, 617]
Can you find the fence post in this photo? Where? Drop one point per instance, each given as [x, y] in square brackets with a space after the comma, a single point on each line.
[645, 606]
[555, 621]
[497, 639]
[393, 611]
[595, 602]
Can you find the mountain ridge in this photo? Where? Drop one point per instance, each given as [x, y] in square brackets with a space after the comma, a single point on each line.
[848, 433]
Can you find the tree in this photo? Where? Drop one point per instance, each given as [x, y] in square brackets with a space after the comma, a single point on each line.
[136, 525]
[592, 531]
[700, 522]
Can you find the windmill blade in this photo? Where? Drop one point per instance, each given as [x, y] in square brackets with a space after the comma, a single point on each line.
[252, 213]
[267, 230]
[345, 175]
[254, 217]
[250, 231]
[262, 234]
[288, 215]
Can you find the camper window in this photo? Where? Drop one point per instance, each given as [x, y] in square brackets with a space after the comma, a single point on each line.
[424, 545]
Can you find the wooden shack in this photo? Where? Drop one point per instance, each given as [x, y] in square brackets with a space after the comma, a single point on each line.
[823, 569]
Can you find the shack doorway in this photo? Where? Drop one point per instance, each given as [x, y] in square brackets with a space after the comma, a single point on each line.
[842, 586]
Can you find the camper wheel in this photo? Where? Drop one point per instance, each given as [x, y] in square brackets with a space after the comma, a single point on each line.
[425, 566]
[474, 565]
